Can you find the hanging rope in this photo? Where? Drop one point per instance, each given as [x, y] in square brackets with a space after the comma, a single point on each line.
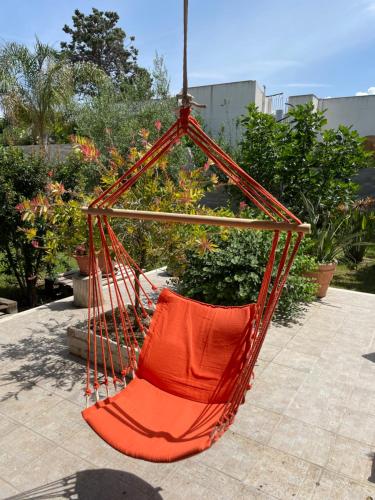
[185, 98]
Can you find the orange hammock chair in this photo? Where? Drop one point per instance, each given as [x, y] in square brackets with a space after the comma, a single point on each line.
[197, 360]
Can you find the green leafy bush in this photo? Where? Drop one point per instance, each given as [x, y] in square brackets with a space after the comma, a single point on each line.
[115, 118]
[231, 272]
[77, 174]
[361, 223]
[301, 158]
[337, 233]
[21, 176]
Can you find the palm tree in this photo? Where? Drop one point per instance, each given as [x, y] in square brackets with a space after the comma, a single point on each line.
[37, 86]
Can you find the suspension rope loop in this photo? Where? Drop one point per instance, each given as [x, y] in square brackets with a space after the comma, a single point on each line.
[93, 273]
[129, 293]
[196, 133]
[89, 320]
[262, 297]
[261, 327]
[110, 272]
[140, 168]
[171, 132]
[185, 99]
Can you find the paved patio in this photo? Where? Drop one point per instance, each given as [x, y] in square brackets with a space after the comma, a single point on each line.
[306, 431]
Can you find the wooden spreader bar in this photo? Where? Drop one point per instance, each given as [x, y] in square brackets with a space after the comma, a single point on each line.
[199, 219]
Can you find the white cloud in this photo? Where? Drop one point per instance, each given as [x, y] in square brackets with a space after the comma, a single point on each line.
[370, 91]
[370, 7]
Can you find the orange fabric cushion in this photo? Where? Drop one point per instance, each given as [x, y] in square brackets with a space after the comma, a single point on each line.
[188, 365]
[145, 422]
[195, 350]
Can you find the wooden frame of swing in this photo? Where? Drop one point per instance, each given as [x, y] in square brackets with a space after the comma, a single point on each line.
[208, 220]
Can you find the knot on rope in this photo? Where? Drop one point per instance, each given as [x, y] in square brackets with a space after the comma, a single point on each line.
[184, 117]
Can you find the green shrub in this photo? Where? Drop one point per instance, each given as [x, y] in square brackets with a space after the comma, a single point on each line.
[336, 234]
[300, 158]
[360, 223]
[21, 176]
[231, 273]
[77, 174]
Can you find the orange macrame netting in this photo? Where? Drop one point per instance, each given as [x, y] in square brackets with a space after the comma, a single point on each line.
[197, 360]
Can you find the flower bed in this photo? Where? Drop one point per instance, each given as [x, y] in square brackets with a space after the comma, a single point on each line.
[77, 339]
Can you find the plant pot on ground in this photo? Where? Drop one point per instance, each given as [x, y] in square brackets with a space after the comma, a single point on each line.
[82, 257]
[323, 277]
[49, 286]
[102, 263]
[329, 240]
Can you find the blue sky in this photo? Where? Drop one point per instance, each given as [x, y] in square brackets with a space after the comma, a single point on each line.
[324, 47]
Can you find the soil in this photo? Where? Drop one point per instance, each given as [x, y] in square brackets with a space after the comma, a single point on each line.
[135, 326]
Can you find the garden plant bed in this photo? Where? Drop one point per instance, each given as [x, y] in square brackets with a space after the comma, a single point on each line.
[361, 278]
[77, 339]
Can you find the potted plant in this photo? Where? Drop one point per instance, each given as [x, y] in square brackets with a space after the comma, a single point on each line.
[82, 257]
[328, 241]
[102, 262]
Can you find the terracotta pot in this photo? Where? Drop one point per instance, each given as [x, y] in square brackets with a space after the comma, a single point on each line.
[102, 266]
[83, 262]
[323, 276]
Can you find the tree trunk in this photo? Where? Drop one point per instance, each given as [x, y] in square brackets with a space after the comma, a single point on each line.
[137, 290]
[32, 297]
[31, 273]
[43, 139]
[12, 264]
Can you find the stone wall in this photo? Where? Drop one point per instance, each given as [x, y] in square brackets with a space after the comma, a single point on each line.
[366, 178]
[55, 153]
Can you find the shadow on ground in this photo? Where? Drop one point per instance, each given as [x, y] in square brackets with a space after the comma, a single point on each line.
[99, 484]
[40, 357]
[370, 356]
[372, 475]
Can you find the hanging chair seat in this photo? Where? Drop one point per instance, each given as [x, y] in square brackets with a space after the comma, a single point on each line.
[188, 367]
[143, 421]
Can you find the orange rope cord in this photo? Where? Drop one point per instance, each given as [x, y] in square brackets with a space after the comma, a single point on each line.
[130, 270]
[110, 271]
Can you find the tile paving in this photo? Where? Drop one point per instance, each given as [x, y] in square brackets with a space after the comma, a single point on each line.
[306, 430]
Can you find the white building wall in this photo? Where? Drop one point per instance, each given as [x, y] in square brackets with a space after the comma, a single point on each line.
[355, 111]
[260, 99]
[294, 100]
[225, 103]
